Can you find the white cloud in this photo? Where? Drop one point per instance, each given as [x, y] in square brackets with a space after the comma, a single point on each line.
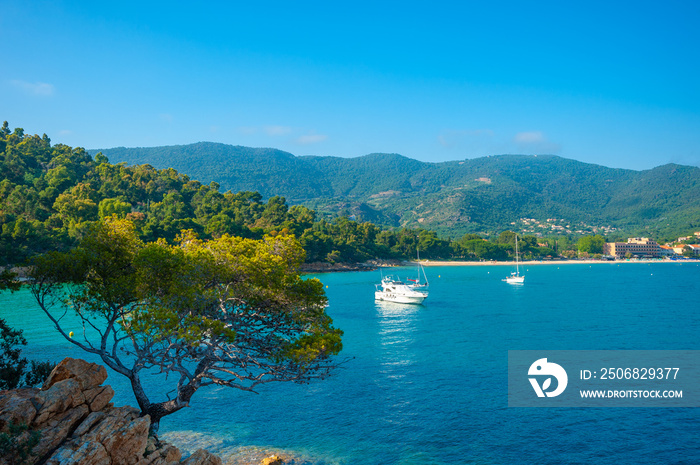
[311, 139]
[528, 137]
[535, 142]
[40, 89]
[277, 130]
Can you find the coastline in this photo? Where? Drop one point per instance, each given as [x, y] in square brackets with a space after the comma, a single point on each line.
[323, 267]
[545, 262]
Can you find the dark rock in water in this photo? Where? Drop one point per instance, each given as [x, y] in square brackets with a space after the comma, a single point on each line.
[322, 267]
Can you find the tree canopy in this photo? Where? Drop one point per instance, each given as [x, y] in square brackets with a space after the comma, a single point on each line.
[229, 311]
[591, 244]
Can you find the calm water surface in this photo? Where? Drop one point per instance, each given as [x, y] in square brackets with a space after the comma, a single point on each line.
[428, 384]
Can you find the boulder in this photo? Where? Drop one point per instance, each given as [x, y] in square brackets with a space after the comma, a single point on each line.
[89, 375]
[98, 398]
[17, 406]
[92, 453]
[58, 398]
[160, 453]
[78, 425]
[57, 429]
[202, 457]
[272, 460]
[120, 431]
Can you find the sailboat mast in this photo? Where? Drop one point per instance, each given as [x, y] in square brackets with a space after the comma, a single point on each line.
[420, 267]
[418, 256]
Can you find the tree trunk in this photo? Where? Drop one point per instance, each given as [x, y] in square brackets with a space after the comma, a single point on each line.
[162, 409]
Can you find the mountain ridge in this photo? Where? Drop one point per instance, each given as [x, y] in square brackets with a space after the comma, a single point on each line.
[484, 194]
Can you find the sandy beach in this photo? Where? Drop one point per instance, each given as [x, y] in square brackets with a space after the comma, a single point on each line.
[323, 267]
[545, 262]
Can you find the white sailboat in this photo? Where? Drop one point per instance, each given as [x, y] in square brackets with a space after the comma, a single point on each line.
[417, 283]
[515, 277]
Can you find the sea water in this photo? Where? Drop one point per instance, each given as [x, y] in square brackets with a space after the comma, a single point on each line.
[427, 384]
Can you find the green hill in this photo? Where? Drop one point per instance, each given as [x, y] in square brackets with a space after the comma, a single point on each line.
[484, 195]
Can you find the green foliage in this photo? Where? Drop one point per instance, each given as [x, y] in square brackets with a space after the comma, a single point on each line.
[688, 252]
[229, 311]
[8, 281]
[481, 249]
[17, 444]
[591, 244]
[15, 370]
[38, 372]
[109, 207]
[12, 365]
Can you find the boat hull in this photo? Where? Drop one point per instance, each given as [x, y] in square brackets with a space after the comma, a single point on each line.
[413, 298]
[515, 279]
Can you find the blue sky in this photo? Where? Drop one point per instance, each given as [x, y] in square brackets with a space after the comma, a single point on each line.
[610, 83]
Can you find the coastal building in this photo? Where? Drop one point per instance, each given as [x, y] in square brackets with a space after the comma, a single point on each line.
[680, 248]
[685, 238]
[637, 247]
[667, 251]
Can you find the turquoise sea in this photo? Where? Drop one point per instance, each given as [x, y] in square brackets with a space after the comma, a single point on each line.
[428, 384]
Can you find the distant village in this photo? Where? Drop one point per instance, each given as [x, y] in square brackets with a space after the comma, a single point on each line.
[558, 226]
[643, 247]
[635, 247]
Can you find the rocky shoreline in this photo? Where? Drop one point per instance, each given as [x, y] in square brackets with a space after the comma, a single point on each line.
[71, 420]
[325, 267]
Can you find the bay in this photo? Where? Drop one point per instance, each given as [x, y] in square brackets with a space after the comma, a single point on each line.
[428, 384]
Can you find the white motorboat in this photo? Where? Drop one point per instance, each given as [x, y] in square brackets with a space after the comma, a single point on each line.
[393, 290]
[515, 277]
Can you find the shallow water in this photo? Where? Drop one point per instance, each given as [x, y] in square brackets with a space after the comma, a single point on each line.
[428, 384]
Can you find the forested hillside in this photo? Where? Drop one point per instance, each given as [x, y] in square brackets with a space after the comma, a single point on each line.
[484, 195]
[50, 195]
